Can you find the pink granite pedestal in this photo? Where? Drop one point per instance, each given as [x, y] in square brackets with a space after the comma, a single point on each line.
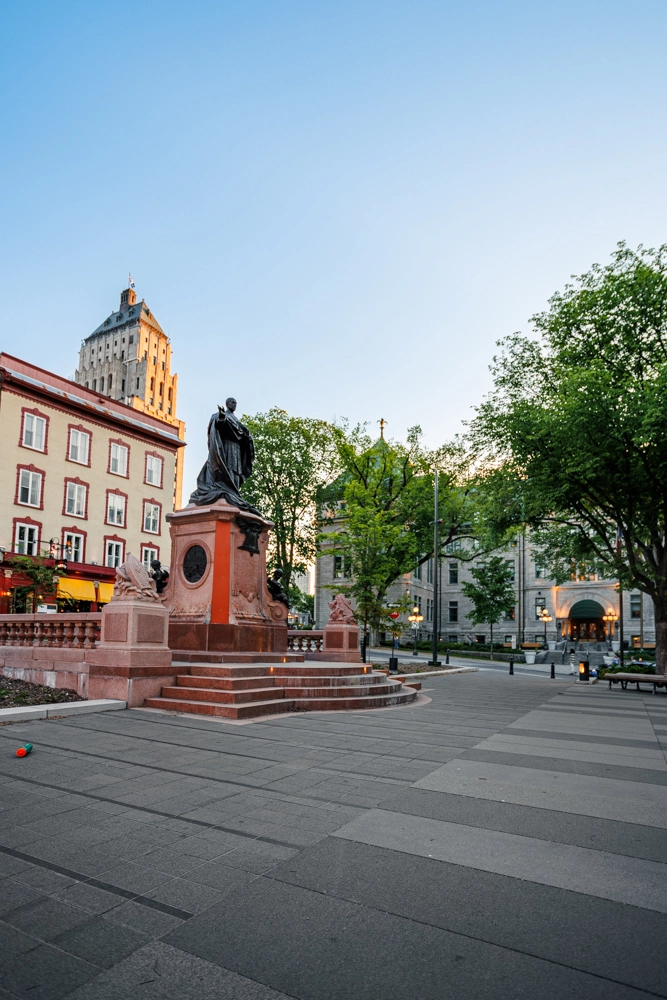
[132, 660]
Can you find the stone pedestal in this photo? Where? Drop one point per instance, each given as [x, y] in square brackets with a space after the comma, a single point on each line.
[132, 660]
[341, 643]
[217, 595]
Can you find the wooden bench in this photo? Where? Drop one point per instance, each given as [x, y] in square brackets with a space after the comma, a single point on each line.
[657, 680]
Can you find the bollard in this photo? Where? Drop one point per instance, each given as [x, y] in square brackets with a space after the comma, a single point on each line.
[24, 750]
[553, 670]
[511, 666]
[447, 657]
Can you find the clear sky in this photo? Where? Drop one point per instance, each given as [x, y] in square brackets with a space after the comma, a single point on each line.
[336, 208]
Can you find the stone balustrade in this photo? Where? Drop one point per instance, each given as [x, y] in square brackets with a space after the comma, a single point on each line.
[62, 631]
[305, 640]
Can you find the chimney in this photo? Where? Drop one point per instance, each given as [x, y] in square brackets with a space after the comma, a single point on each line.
[128, 297]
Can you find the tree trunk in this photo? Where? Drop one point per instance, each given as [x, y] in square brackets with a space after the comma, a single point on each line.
[660, 611]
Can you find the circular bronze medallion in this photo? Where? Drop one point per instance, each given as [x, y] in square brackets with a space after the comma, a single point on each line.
[194, 564]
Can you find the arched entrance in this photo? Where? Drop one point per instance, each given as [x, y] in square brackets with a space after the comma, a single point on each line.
[585, 622]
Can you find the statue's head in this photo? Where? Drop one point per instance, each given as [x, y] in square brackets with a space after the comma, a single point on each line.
[230, 403]
[156, 564]
[277, 574]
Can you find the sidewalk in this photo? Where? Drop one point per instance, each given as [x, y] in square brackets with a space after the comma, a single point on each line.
[504, 840]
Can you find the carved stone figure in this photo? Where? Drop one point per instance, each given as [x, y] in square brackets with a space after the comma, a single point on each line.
[341, 611]
[275, 588]
[133, 583]
[231, 453]
[159, 575]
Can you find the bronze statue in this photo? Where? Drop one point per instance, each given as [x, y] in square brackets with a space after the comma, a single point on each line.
[231, 453]
[275, 588]
[161, 576]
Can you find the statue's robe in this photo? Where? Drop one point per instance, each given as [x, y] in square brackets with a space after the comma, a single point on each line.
[231, 453]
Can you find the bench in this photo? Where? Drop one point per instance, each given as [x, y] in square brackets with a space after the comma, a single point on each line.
[657, 680]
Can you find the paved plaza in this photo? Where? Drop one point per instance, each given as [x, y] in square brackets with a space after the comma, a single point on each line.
[505, 839]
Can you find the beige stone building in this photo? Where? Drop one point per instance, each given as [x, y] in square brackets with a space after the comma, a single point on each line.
[83, 477]
[128, 358]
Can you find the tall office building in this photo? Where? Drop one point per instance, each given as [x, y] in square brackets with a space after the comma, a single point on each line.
[128, 358]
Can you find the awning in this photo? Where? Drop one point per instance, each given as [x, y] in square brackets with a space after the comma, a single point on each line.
[587, 610]
[83, 590]
[79, 590]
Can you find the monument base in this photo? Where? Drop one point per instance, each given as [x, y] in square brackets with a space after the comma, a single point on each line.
[220, 638]
[341, 643]
[217, 597]
[132, 661]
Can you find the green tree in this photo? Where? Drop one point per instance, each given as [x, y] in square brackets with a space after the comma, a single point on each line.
[41, 579]
[295, 458]
[381, 511]
[492, 594]
[574, 433]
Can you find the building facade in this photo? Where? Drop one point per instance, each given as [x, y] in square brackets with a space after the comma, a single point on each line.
[128, 358]
[577, 608]
[84, 479]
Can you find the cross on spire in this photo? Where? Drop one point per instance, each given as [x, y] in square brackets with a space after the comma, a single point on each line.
[383, 423]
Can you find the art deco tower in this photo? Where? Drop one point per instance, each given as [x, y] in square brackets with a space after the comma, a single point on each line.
[128, 358]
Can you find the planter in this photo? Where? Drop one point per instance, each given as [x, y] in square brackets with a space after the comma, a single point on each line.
[551, 644]
[616, 646]
[530, 656]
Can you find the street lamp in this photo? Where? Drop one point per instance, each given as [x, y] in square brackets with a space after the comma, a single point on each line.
[610, 617]
[56, 550]
[415, 618]
[545, 617]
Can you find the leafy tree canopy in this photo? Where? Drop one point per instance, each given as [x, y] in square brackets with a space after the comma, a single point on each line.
[295, 458]
[492, 594]
[572, 440]
[378, 515]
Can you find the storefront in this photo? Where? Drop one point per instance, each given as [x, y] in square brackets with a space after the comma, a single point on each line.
[585, 623]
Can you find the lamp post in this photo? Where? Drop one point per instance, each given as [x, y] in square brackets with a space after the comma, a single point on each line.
[415, 618]
[610, 617]
[434, 661]
[56, 550]
[545, 617]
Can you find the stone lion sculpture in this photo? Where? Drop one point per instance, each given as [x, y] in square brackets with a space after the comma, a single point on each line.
[341, 611]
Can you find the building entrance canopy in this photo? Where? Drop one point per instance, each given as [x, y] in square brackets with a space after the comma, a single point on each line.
[585, 622]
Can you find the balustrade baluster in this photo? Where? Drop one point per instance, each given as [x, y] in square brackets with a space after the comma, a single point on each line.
[39, 633]
[69, 633]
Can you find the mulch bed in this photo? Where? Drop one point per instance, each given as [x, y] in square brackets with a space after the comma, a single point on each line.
[18, 694]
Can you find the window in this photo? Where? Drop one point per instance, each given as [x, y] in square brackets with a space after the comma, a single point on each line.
[539, 572]
[508, 640]
[454, 546]
[453, 572]
[342, 567]
[148, 554]
[30, 488]
[118, 459]
[131, 341]
[122, 385]
[79, 446]
[152, 518]
[114, 554]
[429, 571]
[509, 615]
[540, 604]
[452, 637]
[73, 544]
[453, 611]
[137, 382]
[154, 470]
[34, 431]
[115, 508]
[102, 384]
[75, 500]
[152, 384]
[109, 383]
[512, 569]
[429, 609]
[417, 573]
[635, 605]
[26, 539]
[418, 602]
[94, 385]
[480, 638]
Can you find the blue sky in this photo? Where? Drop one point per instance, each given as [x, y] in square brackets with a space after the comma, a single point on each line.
[336, 208]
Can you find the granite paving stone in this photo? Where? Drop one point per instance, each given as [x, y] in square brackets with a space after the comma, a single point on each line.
[182, 850]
